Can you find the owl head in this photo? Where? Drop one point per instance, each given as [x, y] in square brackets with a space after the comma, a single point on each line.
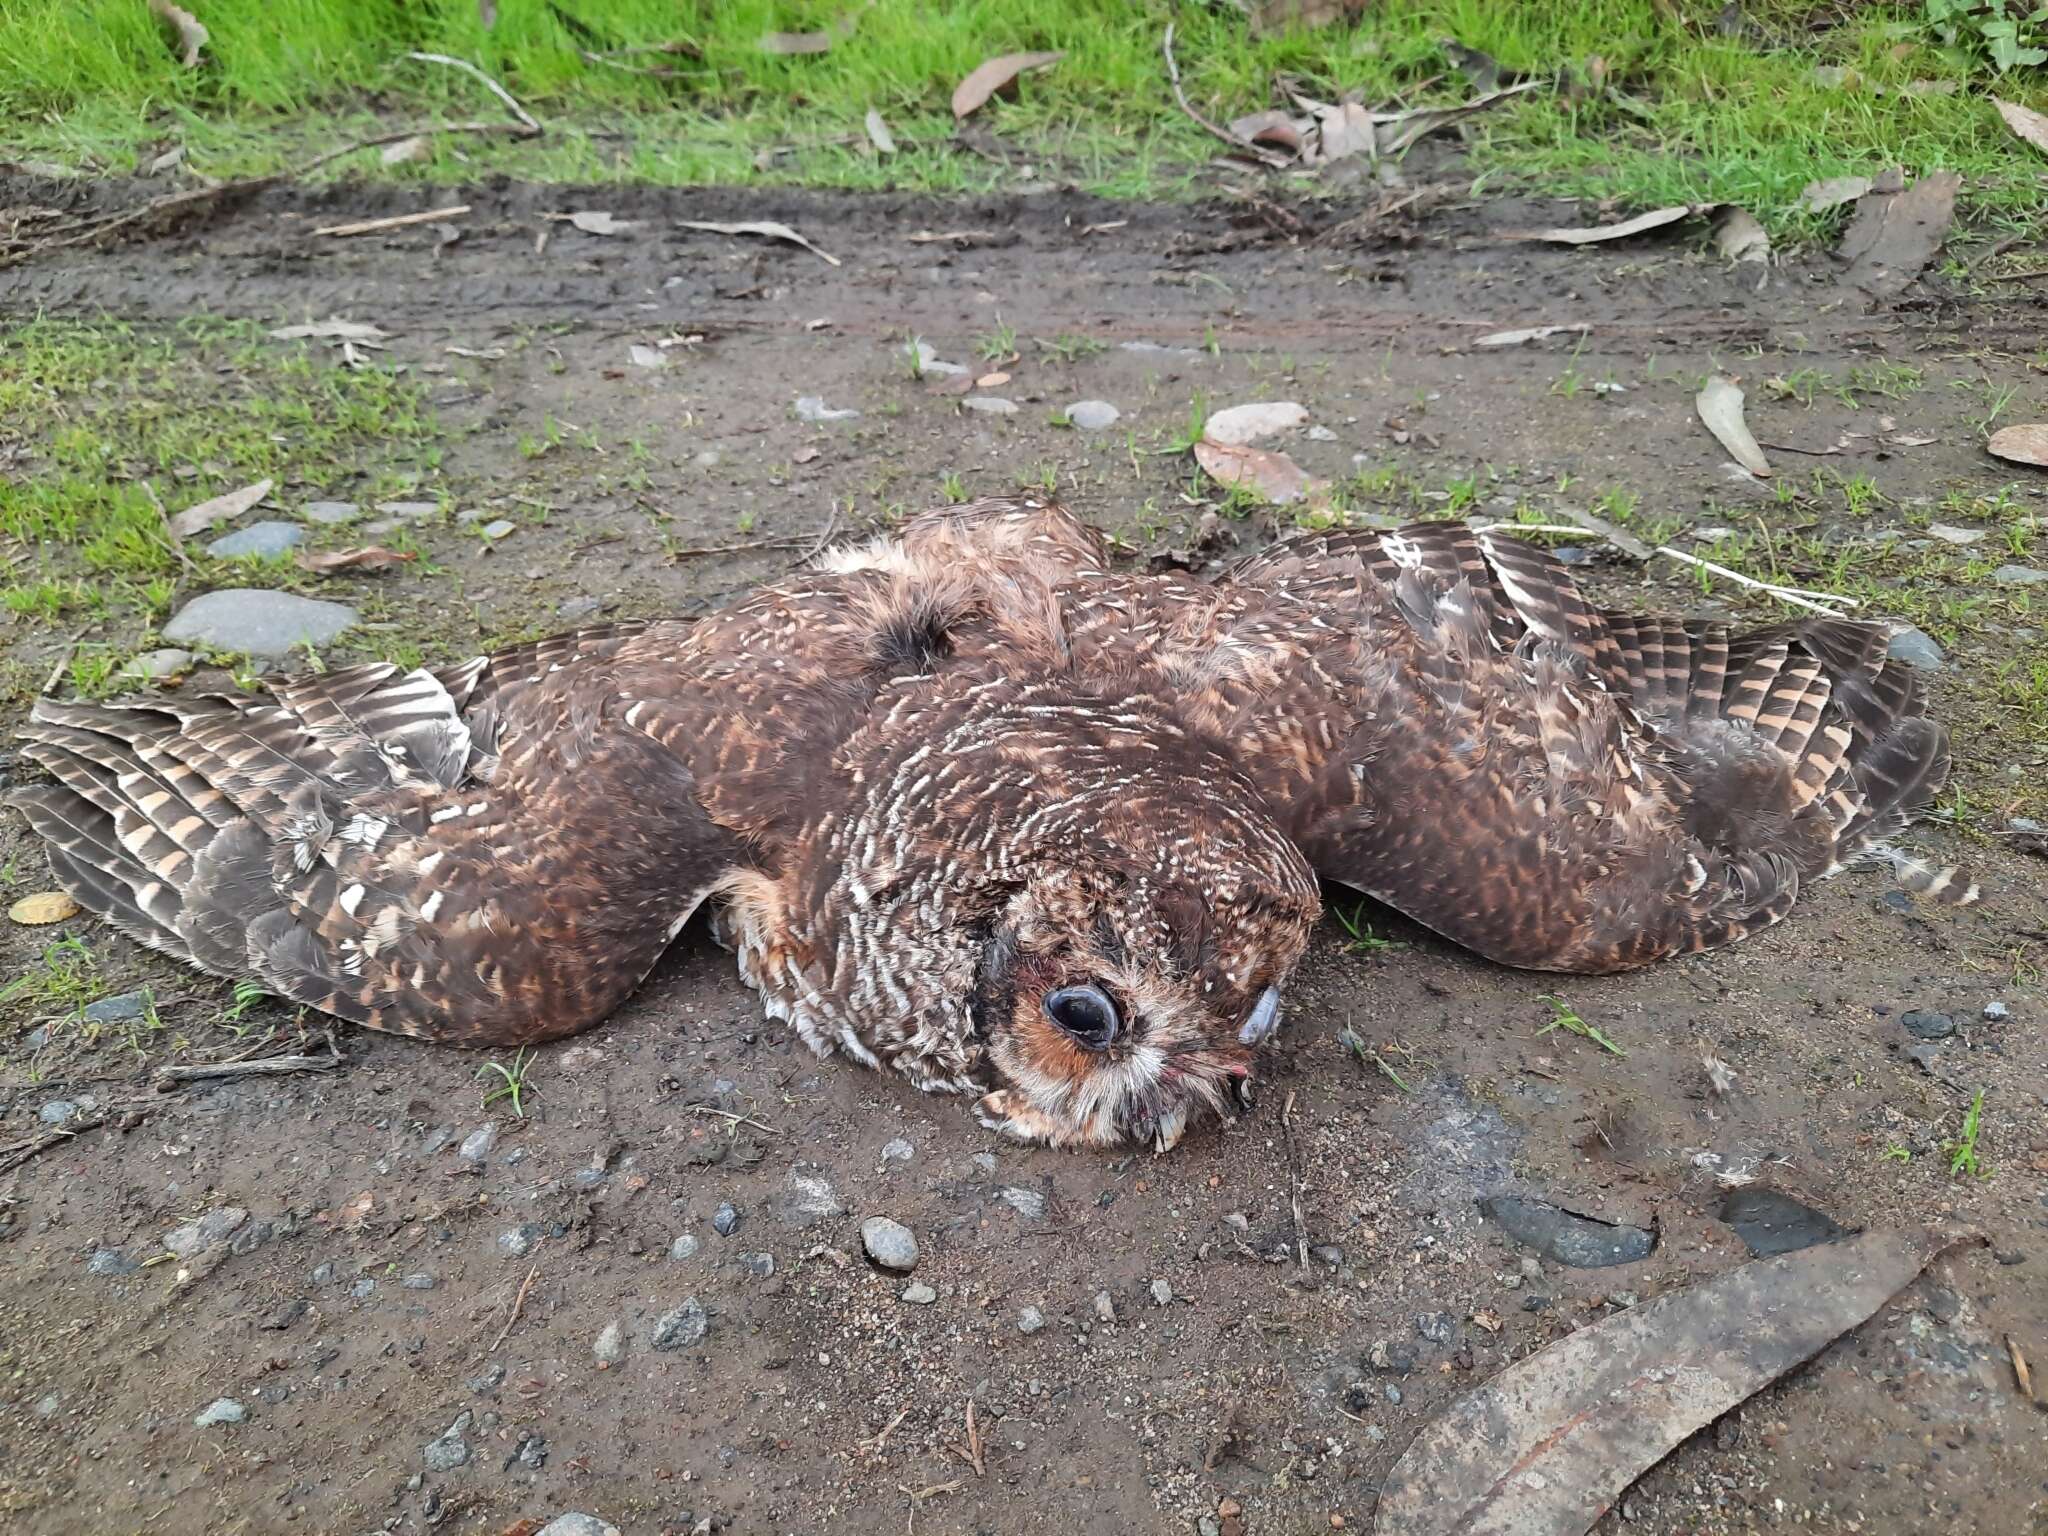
[1127, 980]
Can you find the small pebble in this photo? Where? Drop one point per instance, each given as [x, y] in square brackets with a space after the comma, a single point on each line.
[2018, 576]
[449, 1451]
[1105, 1309]
[1162, 1293]
[110, 1261]
[419, 1282]
[518, 1241]
[578, 607]
[258, 623]
[1928, 1026]
[497, 528]
[265, 540]
[195, 1236]
[329, 513]
[1093, 415]
[759, 1265]
[222, 1410]
[918, 1294]
[684, 1326]
[990, 405]
[1030, 1320]
[118, 1010]
[726, 1219]
[57, 1111]
[684, 1247]
[1028, 1203]
[610, 1347]
[889, 1243]
[1437, 1327]
[476, 1146]
[1916, 648]
[898, 1151]
[1997, 1012]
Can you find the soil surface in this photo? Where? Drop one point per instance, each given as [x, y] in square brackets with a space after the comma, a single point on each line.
[426, 1328]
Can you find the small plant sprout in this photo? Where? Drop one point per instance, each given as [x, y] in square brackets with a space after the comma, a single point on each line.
[512, 1081]
[1897, 1152]
[1563, 1017]
[1364, 941]
[1962, 1152]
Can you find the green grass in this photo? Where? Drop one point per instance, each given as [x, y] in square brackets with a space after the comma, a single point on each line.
[1564, 1017]
[513, 1081]
[1962, 1152]
[117, 428]
[1684, 113]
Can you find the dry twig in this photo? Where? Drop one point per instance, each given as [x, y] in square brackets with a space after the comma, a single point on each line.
[518, 1306]
[1265, 157]
[395, 221]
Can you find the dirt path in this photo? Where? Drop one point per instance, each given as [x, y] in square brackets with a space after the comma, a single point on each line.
[369, 1302]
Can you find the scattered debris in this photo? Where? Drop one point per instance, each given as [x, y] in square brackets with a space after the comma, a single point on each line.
[1531, 333]
[2022, 444]
[1720, 1076]
[1238, 425]
[334, 329]
[999, 74]
[593, 221]
[879, 134]
[395, 221]
[1546, 1447]
[366, 557]
[1820, 196]
[191, 33]
[766, 229]
[218, 509]
[42, 909]
[1720, 406]
[1895, 234]
[814, 409]
[1739, 237]
[2024, 121]
[1583, 1242]
[1642, 223]
[1271, 476]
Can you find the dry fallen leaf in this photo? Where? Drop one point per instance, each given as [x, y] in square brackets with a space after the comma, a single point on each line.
[219, 509]
[1277, 129]
[191, 35]
[1271, 476]
[1819, 196]
[1720, 407]
[811, 42]
[1656, 218]
[330, 330]
[1895, 234]
[1532, 333]
[2024, 121]
[997, 74]
[2026, 444]
[42, 909]
[879, 134]
[369, 557]
[2020, 1372]
[405, 151]
[803, 456]
[1739, 237]
[1241, 424]
[991, 380]
[767, 229]
[1548, 1445]
[647, 357]
[595, 221]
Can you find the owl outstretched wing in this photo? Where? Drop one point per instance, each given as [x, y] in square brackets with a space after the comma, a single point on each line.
[492, 853]
[1468, 739]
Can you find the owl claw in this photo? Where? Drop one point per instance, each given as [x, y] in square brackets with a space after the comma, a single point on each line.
[1009, 1113]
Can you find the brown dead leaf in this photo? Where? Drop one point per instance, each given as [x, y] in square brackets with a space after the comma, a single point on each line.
[2021, 1373]
[788, 43]
[191, 35]
[2027, 444]
[803, 456]
[352, 1215]
[42, 909]
[1590, 234]
[219, 509]
[879, 134]
[1272, 477]
[1720, 406]
[2024, 121]
[1740, 237]
[992, 380]
[1819, 196]
[1277, 129]
[1896, 234]
[592, 221]
[368, 557]
[999, 74]
[766, 229]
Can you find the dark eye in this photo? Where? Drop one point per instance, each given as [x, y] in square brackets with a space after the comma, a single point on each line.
[1085, 1015]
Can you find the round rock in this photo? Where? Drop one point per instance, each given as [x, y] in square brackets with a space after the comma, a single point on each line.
[329, 513]
[260, 539]
[1093, 415]
[258, 623]
[1928, 1026]
[889, 1243]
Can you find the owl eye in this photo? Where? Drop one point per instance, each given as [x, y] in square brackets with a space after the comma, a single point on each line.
[1085, 1015]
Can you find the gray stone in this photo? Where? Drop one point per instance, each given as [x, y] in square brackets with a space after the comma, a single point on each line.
[925, 360]
[588, 1178]
[264, 539]
[111, 1262]
[1996, 1011]
[577, 1524]
[578, 608]
[476, 1146]
[1105, 1309]
[889, 1243]
[48, 1405]
[488, 1381]
[118, 1010]
[1162, 1293]
[363, 1289]
[1949, 534]
[1584, 1242]
[1771, 1223]
[329, 513]
[1093, 415]
[1916, 648]
[990, 405]
[985, 1161]
[918, 1294]
[814, 408]
[1028, 1203]
[682, 1327]
[1030, 1320]
[1437, 1327]
[726, 1219]
[222, 1410]
[1927, 1026]
[159, 665]
[517, 1242]
[450, 1450]
[410, 511]
[418, 1282]
[2018, 576]
[813, 1196]
[259, 623]
[760, 1265]
[197, 1236]
[610, 1347]
[498, 527]
[684, 1247]
[898, 1151]
[58, 1112]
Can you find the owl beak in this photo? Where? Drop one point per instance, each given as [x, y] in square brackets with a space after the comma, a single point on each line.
[1264, 1019]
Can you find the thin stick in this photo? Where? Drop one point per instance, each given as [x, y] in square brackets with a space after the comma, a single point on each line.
[1263, 156]
[726, 1114]
[733, 549]
[497, 90]
[13, 1157]
[267, 1066]
[518, 1306]
[874, 1447]
[1796, 596]
[396, 221]
[1294, 1182]
[1577, 533]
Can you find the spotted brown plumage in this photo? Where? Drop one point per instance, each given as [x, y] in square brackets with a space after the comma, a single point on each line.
[972, 806]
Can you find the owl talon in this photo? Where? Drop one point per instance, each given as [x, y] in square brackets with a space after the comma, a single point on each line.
[1009, 1113]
